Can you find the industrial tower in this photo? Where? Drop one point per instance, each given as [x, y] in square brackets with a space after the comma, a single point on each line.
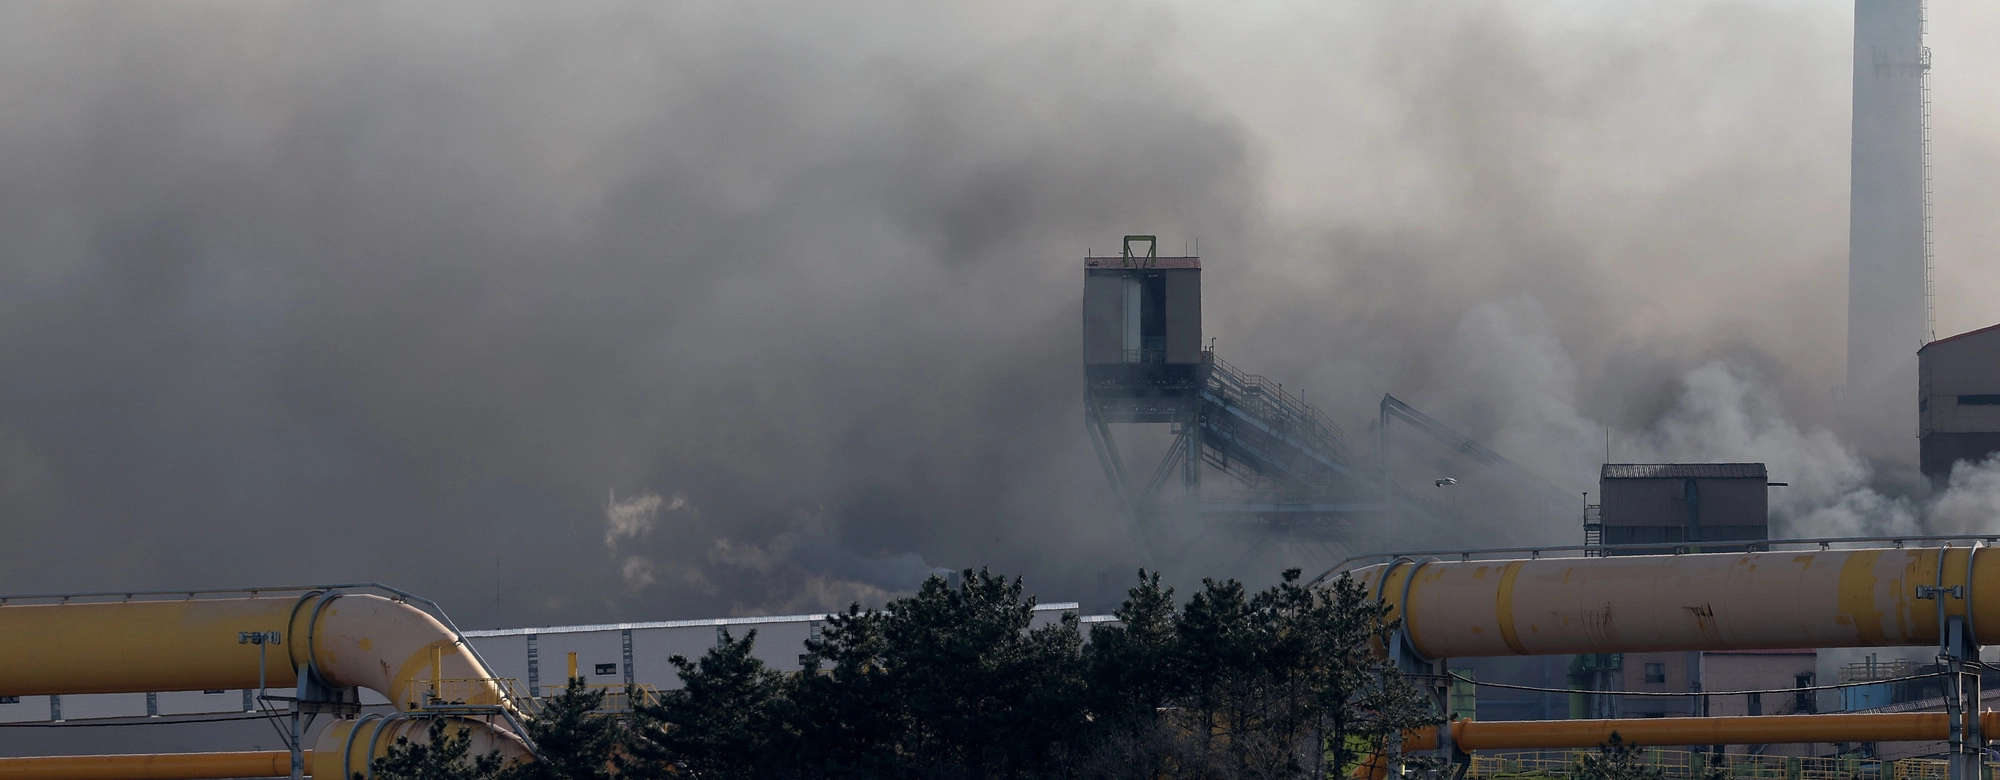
[1145, 363]
[1297, 479]
[1889, 247]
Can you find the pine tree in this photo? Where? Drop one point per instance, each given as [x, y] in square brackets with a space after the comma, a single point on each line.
[719, 725]
[1616, 761]
[446, 754]
[576, 742]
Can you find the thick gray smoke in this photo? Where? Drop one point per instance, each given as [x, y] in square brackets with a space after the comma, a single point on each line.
[581, 311]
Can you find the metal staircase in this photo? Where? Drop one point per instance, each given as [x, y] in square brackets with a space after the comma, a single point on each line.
[1253, 430]
[1301, 479]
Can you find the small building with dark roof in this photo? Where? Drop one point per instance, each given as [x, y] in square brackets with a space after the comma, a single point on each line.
[1684, 505]
[1958, 401]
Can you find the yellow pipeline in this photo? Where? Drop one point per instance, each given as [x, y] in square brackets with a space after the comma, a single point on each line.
[362, 641]
[1731, 730]
[1726, 601]
[166, 766]
[137, 647]
[353, 640]
[346, 747]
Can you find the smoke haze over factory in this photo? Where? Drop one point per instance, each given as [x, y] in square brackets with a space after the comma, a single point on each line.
[600, 311]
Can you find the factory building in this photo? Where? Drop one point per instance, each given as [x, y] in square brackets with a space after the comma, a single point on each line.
[1667, 674]
[1683, 506]
[1733, 670]
[1958, 402]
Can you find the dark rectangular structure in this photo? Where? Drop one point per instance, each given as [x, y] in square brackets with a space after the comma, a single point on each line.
[1690, 505]
[1958, 401]
[1142, 349]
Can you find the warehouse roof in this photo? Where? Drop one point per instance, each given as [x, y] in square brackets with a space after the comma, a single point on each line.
[1685, 471]
[1060, 606]
[1959, 336]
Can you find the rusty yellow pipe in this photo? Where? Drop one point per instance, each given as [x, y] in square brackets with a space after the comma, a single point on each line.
[362, 641]
[1730, 730]
[1725, 601]
[165, 766]
[346, 747]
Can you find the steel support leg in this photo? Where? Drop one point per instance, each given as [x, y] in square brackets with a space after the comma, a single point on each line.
[298, 753]
[1433, 675]
[1961, 701]
[1114, 469]
[1191, 456]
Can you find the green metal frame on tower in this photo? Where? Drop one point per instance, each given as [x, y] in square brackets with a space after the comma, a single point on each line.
[1152, 251]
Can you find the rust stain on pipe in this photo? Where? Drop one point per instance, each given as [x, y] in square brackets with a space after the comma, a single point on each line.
[1503, 606]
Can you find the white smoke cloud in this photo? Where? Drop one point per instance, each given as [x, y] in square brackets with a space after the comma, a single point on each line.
[815, 569]
[1513, 381]
[630, 520]
[633, 517]
[1970, 502]
[637, 571]
[1857, 512]
[806, 567]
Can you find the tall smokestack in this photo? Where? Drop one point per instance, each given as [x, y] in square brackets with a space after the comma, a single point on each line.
[1888, 316]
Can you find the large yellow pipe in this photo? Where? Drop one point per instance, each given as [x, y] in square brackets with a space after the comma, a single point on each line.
[1727, 601]
[166, 766]
[364, 641]
[137, 647]
[347, 747]
[1731, 730]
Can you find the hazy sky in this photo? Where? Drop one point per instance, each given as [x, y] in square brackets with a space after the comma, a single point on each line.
[567, 312]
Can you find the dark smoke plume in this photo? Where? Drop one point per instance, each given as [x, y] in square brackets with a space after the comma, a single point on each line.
[567, 312]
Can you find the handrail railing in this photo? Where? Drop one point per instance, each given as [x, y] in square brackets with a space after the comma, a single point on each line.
[461, 692]
[618, 698]
[1271, 402]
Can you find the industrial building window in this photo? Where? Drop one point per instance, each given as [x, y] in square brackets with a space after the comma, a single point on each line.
[1979, 400]
[1656, 673]
[10, 700]
[1804, 701]
[1756, 704]
[607, 668]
